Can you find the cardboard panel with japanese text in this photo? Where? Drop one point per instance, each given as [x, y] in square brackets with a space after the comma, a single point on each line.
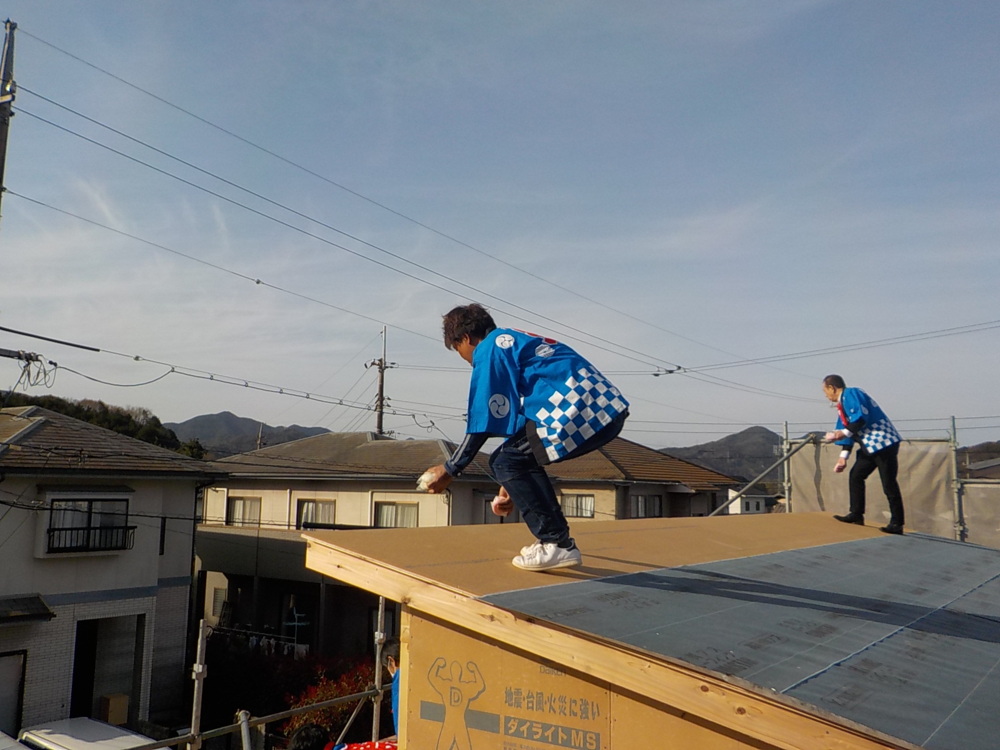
[463, 692]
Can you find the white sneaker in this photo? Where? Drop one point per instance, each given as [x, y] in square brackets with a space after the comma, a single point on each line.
[526, 549]
[547, 556]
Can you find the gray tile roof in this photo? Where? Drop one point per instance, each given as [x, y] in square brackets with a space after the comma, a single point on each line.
[623, 460]
[34, 440]
[348, 454]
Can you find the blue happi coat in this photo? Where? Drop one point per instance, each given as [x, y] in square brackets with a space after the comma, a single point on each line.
[519, 377]
[878, 432]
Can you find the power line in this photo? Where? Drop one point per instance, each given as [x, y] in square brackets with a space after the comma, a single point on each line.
[618, 348]
[190, 372]
[681, 370]
[245, 277]
[877, 343]
[359, 195]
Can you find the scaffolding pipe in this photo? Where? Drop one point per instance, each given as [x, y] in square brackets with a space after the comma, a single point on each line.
[808, 441]
[379, 641]
[787, 472]
[270, 718]
[350, 722]
[961, 530]
[244, 717]
[198, 674]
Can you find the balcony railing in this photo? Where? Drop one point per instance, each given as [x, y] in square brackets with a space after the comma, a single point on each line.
[91, 539]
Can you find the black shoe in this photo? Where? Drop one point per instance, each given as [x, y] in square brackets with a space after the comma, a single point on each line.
[851, 518]
[892, 528]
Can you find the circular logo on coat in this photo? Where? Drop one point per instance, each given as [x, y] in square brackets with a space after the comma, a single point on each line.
[544, 350]
[505, 341]
[499, 405]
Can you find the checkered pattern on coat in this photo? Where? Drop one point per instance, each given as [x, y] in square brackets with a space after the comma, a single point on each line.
[880, 435]
[586, 404]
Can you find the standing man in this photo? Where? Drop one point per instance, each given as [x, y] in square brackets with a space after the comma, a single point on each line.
[390, 660]
[549, 402]
[860, 420]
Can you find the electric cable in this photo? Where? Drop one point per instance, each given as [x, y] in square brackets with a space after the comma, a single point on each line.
[877, 343]
[724, 383]
[363, 197]
[619, 349]
[256, 281]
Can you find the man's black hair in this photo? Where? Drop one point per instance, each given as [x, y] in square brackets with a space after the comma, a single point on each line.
[834, 381]
[390, 648]
[466, 320]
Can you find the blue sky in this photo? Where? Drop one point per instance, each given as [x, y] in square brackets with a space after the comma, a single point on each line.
[702, 184]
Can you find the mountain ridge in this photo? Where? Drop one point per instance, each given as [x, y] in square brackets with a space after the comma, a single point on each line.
[743, 454]
[224, 433]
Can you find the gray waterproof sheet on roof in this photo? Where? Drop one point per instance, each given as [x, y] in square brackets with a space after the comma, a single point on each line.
[899, 633]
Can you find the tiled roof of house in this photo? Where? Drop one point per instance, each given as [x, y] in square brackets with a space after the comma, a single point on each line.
[346, 454]
[624, 460]
[366, 454]
[36, 440]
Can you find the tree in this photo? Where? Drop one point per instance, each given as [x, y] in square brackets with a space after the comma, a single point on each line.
[193, 449]
[356, 678]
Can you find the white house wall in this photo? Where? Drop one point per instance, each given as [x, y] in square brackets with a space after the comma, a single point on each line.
[119, 588]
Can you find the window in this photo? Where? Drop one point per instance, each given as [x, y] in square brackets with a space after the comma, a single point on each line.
[395, 515]
[578, 506]
[316, 513]
[646, 506]
[242, 511]
[218, 601]
[89, 525]
[163, 535]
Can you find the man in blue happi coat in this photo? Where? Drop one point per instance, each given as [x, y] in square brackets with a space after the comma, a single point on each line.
[860, 420]
[549, 402]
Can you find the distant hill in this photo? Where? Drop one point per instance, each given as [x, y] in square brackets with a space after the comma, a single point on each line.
[224, 434]
[744, 454]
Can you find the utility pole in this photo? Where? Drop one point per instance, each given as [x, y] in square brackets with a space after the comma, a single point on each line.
[382, 366]
[7, 90]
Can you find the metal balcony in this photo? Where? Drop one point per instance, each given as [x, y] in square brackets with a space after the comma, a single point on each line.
[91, 539]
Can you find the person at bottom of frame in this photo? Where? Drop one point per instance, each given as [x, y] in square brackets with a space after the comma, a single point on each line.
[860, 420]
[390, 660]
[549, 402]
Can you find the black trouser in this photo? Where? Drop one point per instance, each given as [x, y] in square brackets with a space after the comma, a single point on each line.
[887, 463]
[517, 468]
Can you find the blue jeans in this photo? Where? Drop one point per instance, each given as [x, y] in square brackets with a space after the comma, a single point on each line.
[516, 468]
